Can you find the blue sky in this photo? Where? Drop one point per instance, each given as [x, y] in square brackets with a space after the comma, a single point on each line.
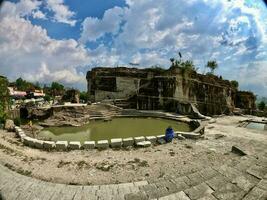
[60, 40]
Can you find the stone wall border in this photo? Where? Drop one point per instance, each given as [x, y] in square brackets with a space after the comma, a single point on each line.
[116, 143]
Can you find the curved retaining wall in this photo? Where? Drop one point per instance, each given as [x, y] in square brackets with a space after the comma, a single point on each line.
[141, 141]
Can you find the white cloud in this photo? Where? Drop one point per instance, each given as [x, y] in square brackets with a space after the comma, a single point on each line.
[61, 12]
[20, 9]
[94, 28]
[39, 15]
[26, 50]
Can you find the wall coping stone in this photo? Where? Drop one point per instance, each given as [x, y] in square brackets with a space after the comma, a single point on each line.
[74, 145]
[89, 145]
[61, 145]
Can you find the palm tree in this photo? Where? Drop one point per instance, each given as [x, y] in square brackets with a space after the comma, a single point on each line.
[212, 65]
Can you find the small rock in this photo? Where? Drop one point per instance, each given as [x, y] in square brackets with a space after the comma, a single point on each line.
[238, 151]
[180, 137]
[219, 136]
[9, 125]
[188, 146]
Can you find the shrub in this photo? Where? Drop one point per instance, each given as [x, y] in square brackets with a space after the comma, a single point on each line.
[17, 121]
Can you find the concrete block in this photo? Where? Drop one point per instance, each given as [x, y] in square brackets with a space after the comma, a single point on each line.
[139, 139]
[159, 137]
[152, 139]
[127, 142]
[102, 144]
[190, 135]
[20, 133]
[144, 144]
[116, 143]
[74, 145]
[48, 145]
[26, 140]
[89, 145]
[31, 142]
[180, 137]
[61, 145]
[38, 144]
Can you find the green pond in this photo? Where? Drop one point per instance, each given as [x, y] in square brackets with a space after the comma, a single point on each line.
[116, 128]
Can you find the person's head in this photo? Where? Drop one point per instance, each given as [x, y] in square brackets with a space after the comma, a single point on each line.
[169, 127]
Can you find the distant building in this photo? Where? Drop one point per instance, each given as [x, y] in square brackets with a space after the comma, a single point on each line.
[16, 94]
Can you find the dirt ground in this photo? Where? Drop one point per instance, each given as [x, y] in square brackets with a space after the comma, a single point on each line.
[118, 166]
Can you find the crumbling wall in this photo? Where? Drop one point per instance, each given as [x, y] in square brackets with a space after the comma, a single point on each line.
[173, 90]
[4, 94]
[246, 101]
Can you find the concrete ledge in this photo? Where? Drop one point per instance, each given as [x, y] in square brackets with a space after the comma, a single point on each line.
[61, 145]
[48, 145]
[102, 144]
[89, 145]
[26, 140]
[190, 135]
[38, 144]
[152, 139]
[139, 139]
[180, 137]
[159, 137]
[116, 143]
[127, 142]
[144, 144]
[74, 145]
[31, 142]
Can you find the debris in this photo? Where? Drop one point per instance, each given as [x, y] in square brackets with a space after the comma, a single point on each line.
[219, 136]
[180, 137]
[238, 151]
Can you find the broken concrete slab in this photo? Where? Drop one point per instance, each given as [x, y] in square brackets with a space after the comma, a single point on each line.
[190, 135]
[143, 144]
[239, 151]
[152, 139]
[180, 137]
[139, 139]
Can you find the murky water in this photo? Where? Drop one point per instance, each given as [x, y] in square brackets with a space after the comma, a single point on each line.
[117, 128]
[259, 126]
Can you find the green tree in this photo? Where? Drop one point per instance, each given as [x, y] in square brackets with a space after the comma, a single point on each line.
[262, 105]
[24, 85]
[57, 89]
[212, 65]
[235, 84]
[84, 96]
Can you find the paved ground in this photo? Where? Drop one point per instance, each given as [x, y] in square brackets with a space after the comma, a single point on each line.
[239, 177]
[246, 179]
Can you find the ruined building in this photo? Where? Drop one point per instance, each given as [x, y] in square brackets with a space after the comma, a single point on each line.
[4, 94]
[175, 89]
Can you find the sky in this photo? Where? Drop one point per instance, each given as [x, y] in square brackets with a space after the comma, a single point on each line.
[60, 40]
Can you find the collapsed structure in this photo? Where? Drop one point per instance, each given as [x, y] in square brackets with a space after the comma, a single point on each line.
[174, 89]
[4, 94]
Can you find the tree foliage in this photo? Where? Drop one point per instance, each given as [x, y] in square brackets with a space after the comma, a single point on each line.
[212, 65]
[84, 96]
[24, 85]
[261, 105]
[235, 84]
[186, 65]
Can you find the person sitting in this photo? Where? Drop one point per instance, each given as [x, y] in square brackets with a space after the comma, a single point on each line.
[169, 134]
